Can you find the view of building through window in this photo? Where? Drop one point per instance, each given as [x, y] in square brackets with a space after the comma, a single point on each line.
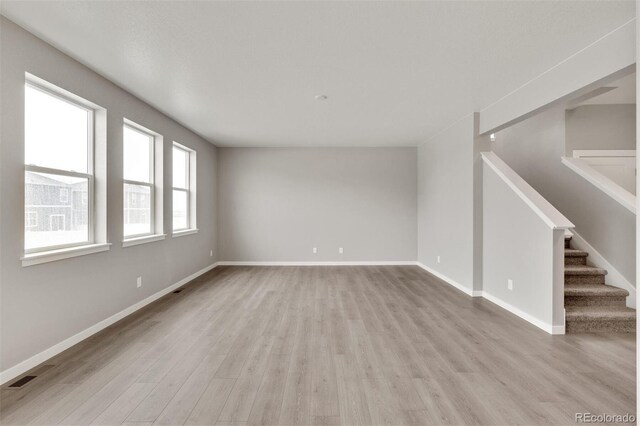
[138, 182]
[57, 172]
[181, 188]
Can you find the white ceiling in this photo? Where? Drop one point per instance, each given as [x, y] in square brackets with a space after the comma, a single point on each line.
[246, 73]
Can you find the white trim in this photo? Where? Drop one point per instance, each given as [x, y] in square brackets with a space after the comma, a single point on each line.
[26, 365]
[177, 234]
[142, 240]
[320, 263]
[549, 214]
[150, 183]
[603, 183]
[64, 95]
[65, 253]
[613, 277]
[139, 128]
[466, 290]
[586, 153]
[56, 172]
[551, 329]
[191, 181]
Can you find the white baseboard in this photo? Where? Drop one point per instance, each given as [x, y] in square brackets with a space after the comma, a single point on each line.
[613, 277]
[28, 364]
[448, 280]
[504, 305]
[41, 357]
[551, 329]
[320, 263]
[473, 293]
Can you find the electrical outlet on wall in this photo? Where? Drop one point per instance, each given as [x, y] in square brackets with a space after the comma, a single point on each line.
[340, 250]
[210, 253]
[510, 284]
[438, 259]
[315, 250]
[139, 282]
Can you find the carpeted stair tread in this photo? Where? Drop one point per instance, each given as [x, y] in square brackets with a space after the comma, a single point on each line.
[575, 253]
[583, 270]
[593, 290]
[594, 313]
[591, 305]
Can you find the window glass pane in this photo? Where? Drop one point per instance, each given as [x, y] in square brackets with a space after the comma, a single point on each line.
[51, 219]
[137, 155]
[180, 168]
[180, 210]
[56, 132]
[137, 210]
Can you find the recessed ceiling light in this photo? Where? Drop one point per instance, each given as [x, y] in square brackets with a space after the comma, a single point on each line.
[321, 97]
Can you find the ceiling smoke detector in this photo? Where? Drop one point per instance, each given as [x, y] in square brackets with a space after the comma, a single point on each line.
[321, 97]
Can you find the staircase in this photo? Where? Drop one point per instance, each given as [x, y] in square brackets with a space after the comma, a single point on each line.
[590, 304]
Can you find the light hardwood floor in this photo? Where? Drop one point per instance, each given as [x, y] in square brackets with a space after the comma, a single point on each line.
[327, 346]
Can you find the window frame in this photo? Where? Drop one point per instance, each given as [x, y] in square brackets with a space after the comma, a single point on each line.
[152, 177]
[189, 190]
[57, 93]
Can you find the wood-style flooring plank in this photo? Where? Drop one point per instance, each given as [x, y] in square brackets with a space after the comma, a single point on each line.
[334, 345]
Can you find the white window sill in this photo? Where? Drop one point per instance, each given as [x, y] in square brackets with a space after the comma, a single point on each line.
[143, 240]
[177, 234]
[66, 253]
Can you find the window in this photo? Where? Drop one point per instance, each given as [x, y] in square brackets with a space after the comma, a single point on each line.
[139, 177]
[64, 195]
[59, 142]
[31, 219]
[184, 195]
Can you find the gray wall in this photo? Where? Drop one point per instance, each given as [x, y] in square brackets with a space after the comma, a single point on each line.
[446, 202]
[533, 149]
[601, 127]
[508, 222]
[44, 304]
[276, 204]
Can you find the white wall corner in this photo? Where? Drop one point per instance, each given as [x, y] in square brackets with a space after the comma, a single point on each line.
[549, 328]
[468, 291]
